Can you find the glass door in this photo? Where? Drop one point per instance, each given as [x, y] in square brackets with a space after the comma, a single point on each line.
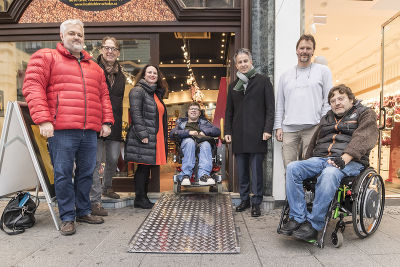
[389, 107]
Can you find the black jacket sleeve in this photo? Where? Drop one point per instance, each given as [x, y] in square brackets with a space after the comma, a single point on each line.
[136, 96]
[270, 107]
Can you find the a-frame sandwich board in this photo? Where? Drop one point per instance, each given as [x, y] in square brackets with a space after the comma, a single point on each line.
[22, 161]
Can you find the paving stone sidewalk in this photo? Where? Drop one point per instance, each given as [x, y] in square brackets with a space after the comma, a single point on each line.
[107, 245]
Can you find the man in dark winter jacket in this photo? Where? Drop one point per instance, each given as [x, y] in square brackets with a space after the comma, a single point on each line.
[191, 131]
[249, 118]
[109, 146]
[340, 147]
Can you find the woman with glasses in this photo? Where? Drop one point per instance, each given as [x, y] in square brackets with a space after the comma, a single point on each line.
[146, 141]
[110, 145]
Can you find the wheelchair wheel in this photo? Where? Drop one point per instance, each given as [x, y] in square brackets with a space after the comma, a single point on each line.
[369, 203]
[337, 239]
[177, 188]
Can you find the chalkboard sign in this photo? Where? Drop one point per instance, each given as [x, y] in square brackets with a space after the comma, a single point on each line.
[95, 5]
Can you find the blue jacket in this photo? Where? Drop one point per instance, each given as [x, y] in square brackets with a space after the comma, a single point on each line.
[179, 132]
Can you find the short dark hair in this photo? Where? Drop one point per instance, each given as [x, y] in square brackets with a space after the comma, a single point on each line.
[194, 104]
[307, 37]
[161, 83]
[342, 89]
[245, 51]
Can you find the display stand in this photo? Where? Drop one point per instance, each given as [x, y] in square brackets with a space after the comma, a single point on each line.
[21, 162]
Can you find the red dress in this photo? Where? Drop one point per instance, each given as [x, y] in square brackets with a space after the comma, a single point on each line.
[161, 158]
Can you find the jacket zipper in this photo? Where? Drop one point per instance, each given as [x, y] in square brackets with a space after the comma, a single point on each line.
[84, 91]
[55, 115]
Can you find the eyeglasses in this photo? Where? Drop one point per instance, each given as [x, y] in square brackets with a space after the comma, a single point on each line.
[109, 48]
[194, 109]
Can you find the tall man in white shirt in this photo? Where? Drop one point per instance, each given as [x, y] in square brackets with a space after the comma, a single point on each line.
[302, 101]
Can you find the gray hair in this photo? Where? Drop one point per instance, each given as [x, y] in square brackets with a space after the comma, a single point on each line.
[242, 51]
[63, 26]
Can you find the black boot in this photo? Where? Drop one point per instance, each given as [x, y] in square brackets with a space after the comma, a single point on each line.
[255, 210]
[146, 190]
[141, 202]
[289, 227]
[306, 232]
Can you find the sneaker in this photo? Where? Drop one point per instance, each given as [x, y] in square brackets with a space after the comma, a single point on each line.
[110, 193]
[67, 228]
[206, 180]
[91, 219]
[306, 232]
[185, 180]
[98, 210]
[289, 227]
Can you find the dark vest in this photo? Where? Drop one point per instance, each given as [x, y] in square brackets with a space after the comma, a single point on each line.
[336, 133]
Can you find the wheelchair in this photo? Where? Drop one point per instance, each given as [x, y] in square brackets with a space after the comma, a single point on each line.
[215, 172]
[362, 197]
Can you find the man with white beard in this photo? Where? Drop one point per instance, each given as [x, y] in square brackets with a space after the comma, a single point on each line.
[68, 98]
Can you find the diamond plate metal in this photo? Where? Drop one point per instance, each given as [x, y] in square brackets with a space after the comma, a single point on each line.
[188, 223]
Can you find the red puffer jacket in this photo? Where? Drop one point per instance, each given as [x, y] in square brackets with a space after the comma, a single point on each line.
[70, 93]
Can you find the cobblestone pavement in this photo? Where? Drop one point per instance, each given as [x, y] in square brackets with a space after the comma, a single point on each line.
[260, 245]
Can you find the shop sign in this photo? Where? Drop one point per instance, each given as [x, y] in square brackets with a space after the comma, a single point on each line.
[95, 5]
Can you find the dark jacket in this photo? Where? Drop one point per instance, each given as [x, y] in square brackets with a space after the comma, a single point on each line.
[144, 115]
[248, 115]
[356, 133]
[179, 132]
[116, 93]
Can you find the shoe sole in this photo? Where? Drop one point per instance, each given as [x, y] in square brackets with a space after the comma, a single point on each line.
[309, 240]
[185, 183]
[89, 222]
[207, 183]
[67, 233]
[141, 207]
[241, 210]
[255, 215]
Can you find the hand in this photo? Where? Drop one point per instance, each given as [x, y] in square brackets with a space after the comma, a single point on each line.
[279, 134]
[46, 129]
[105, 130]
[266, 136]
[145, 140]
[228, 138]
[202, 134]
[337, 162]
[193, 133]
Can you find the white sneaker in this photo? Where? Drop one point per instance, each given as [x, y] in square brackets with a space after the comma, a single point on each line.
[185, 180]
[206, 180]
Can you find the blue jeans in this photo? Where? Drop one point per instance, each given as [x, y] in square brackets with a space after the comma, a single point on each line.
[254, 162]
[66, 148]
[188, 147]
[325, 189]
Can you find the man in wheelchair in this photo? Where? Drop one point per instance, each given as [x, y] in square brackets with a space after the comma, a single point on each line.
[340, 147]
[192, 131]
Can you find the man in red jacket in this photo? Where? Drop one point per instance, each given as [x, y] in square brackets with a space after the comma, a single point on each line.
[68, 98]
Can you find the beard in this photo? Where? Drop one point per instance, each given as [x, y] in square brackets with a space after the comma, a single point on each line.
[74, 47]
[305, 58]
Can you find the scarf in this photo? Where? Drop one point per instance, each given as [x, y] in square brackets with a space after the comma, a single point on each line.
[110, 70]
[241, 85]
[150, 89]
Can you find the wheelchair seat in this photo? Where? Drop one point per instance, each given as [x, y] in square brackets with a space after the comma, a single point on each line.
[216, 168]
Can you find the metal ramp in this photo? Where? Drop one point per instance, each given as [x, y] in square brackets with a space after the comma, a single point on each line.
[188, 223]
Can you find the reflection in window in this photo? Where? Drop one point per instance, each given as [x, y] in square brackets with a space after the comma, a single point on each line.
[211, 3]
[134, 54]
[5, 4]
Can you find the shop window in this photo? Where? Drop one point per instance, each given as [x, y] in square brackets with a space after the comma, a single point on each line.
[210, 3]
[5, 4]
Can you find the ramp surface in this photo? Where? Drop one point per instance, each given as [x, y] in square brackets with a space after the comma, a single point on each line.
[188, 223]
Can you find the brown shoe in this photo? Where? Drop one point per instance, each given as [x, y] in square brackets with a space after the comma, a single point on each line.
[98, 210]
[67, 228]
[90, 219]
[110, 193]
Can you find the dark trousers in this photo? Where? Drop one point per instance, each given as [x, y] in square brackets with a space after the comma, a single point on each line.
[254, 162]
[142, 179]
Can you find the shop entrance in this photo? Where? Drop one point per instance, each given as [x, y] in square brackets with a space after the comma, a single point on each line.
[348, 36]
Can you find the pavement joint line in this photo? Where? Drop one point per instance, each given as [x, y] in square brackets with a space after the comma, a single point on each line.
[251, 239]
